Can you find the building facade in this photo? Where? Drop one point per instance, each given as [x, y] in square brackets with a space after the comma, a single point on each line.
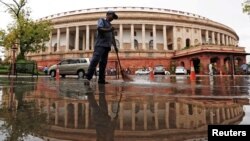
[146, 37]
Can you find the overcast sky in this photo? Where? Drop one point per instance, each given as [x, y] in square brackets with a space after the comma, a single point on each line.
[228, 12]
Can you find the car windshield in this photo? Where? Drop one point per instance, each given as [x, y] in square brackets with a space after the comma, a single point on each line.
[159, 67]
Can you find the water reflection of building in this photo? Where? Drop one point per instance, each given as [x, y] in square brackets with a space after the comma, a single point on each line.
[140, 116]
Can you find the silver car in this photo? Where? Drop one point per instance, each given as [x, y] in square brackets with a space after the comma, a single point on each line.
[74, 66]
[180, 70]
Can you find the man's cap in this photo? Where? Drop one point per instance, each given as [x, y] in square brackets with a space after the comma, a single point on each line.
[113, 13]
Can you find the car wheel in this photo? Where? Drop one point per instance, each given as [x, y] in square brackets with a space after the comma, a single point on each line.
[81, 74]
[53, 73]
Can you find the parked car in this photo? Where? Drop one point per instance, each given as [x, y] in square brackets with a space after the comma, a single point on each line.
[159, 69]
[180, 70]
[75, 66]
[142, 72]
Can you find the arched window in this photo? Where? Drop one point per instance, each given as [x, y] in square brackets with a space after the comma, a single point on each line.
[55, 47]
[136, 44]
[151, 45]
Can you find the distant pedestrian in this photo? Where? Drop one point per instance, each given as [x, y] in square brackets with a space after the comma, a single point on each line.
[244, 68]
[45, 70]
[102, 48]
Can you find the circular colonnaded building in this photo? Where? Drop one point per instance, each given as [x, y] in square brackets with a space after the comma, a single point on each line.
[146, 37]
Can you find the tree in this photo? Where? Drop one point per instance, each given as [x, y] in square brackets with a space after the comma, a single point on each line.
[246, 7]
[29, 34]
[2, 34]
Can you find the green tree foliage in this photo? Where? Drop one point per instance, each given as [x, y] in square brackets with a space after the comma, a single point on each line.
[30, 35]
[246, 7]
[2, 34]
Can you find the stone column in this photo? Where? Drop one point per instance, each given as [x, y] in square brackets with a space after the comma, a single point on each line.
[227, 40]
[156, 115]
[165, 45]
[218, 38]
[56, 112]
[58, 39]
[77, 39]
[92, 40]
[65, 113]
[87, 37]
[76, 114]
[213, 38]
[167, 114]
[174, 39]
[121, 36]
[200, 37]
[133, 116]
[67, 40]
[87, 115]
[145, 119]
[83, 41]
[192, 37]
[218, 115]
[206, 37]
[132, 38]
[223, 39]
[211, 115]
[154, 37]
[50, 43]
[177, 112]
[48, 110]
[143, 37]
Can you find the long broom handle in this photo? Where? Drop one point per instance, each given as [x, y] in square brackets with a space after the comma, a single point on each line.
[116, 51]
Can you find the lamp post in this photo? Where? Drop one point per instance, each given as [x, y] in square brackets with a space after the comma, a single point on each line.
[14, 48]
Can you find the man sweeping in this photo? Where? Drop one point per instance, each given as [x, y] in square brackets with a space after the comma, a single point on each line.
[102, 48]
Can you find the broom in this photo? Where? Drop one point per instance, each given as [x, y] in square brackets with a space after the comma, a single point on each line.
[125, 77]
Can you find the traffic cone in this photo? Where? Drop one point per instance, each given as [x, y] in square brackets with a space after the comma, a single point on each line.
[192, 73]
[57, 73]
[151, 74]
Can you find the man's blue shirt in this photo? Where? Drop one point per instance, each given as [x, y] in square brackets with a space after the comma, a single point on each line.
[103, 39]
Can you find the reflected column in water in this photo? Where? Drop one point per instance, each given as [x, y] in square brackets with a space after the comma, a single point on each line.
[104, 124]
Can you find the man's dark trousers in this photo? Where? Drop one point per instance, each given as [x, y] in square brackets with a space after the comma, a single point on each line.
[100, 56]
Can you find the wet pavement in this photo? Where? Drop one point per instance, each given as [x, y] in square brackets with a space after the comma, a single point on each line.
[168, 108]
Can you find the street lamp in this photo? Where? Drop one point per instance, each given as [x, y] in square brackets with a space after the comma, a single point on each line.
[14, 48]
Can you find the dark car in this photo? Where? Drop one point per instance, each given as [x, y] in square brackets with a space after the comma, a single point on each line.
[159, 69]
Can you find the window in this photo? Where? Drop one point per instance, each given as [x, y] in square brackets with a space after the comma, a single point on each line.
[55, 47]
[151, 34]
[116, 33]
[187, 30]
[64, 62]
[136, 44]
[151, 45]
[135, 33]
